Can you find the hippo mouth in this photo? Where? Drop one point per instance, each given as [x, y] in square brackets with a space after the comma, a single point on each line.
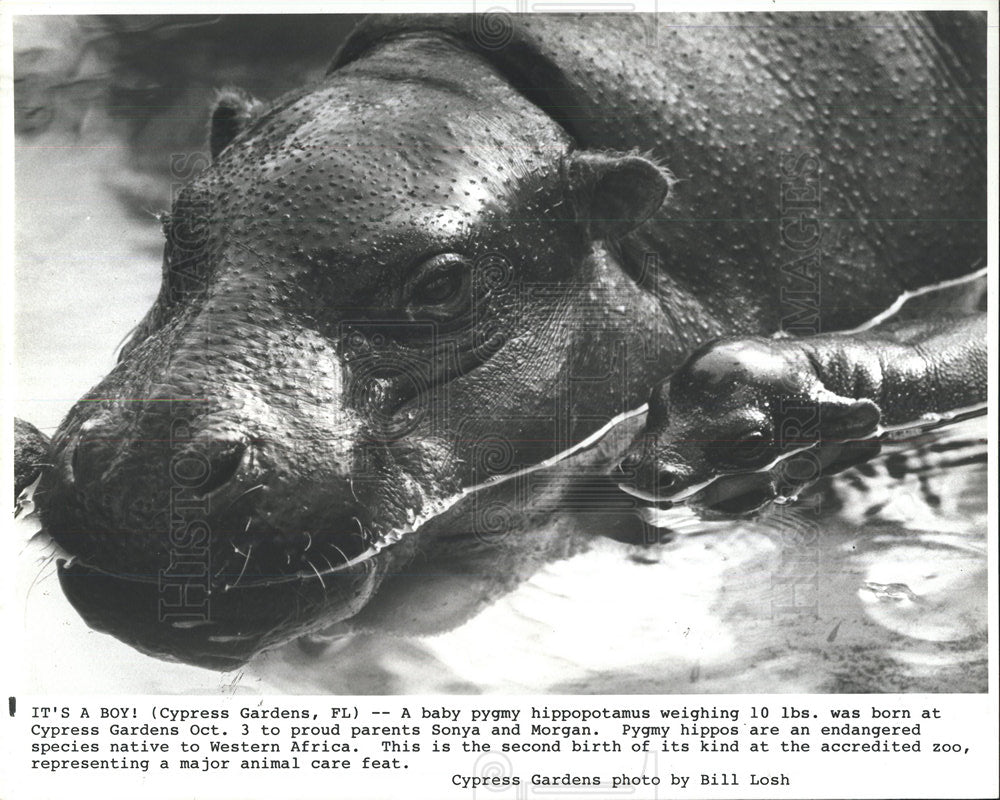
[183, 617]
[219, 619]
[217, 595]
[249, 582]
[725, 496]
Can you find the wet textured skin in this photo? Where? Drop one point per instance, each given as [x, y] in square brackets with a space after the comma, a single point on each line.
[435, 266]
[748, 112]
[737, 405]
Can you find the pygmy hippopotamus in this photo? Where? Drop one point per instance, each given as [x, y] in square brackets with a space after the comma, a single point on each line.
[466, 249]
[743, 405]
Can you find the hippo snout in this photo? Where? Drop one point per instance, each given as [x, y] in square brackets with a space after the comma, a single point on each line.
[651, 475]
[208, 526]
[204, 467]
[123, 499]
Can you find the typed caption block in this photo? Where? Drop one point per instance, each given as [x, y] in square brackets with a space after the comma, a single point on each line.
[642, 747]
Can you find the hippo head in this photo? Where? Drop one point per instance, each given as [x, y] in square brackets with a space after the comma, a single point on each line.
[735, 407]
[369, 305]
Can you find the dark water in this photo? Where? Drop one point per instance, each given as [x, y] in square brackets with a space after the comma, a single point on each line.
[875, 581]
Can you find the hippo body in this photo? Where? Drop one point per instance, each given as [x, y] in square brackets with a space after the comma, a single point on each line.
[771, 158]
[455, 257]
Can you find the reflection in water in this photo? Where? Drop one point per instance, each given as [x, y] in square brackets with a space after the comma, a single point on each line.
[873, 581]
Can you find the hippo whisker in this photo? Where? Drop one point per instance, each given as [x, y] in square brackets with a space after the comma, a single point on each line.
[252, 489]
[363, 534]
[49, 560]
[342, 553]
[246, 560]
[327, 562]
[125, 340]
[240, 496]
[319, 576]
[222, 569]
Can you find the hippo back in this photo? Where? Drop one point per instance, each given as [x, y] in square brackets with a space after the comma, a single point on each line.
[825, 162]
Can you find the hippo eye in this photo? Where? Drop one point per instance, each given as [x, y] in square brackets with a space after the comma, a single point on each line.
[439, 289]
[741, 450]
[441, 286]
[751, 449]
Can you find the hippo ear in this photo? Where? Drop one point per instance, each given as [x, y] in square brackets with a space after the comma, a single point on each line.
[614, 193]
[844, 418]
[233, 112]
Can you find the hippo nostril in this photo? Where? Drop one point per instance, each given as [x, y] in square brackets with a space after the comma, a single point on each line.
[83, 461]
[223, 463]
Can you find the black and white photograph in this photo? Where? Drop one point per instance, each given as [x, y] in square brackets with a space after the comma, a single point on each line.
[550, 354]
